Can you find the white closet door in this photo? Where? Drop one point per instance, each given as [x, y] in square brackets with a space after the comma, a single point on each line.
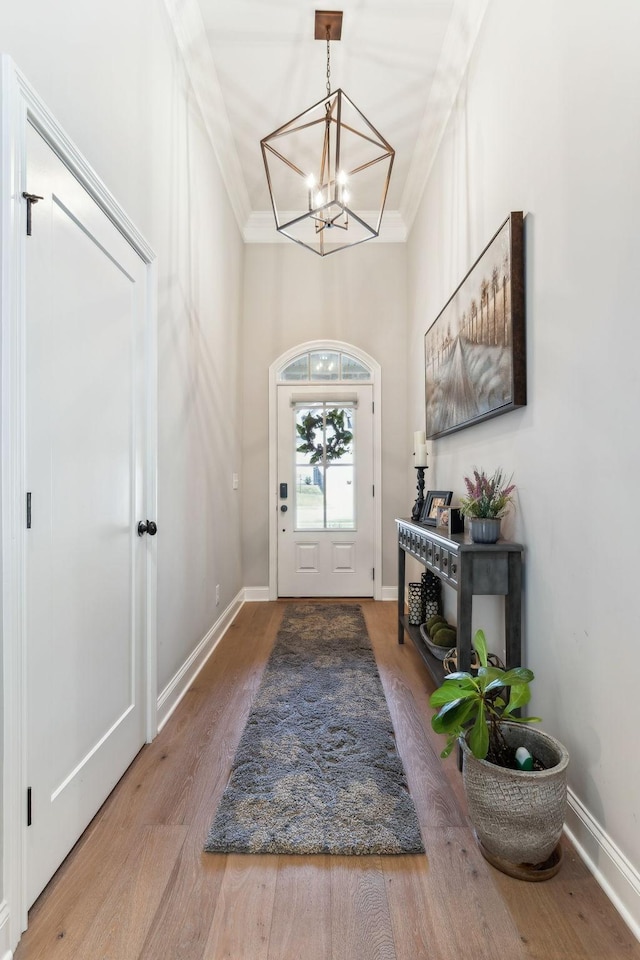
[85, 571]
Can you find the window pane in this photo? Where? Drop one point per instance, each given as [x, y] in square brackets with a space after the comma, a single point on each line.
[309, 498]
[325, 365]
[298, 369]
[309, 435]
[352, 369]
[340, 497]
[339, 434]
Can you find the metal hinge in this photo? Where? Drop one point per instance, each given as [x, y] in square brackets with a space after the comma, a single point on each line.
[373, 573]
[373, 490]
[31, 198]
[373, 407]
[28, 511]
[28, 806]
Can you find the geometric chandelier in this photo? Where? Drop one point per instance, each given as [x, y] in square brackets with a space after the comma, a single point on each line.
[328, 169]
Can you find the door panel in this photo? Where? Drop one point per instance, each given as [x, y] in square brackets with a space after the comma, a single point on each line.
[84, 466]
[325, 457]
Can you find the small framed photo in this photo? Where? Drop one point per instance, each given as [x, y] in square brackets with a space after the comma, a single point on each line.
[433, 500]
[442, 517]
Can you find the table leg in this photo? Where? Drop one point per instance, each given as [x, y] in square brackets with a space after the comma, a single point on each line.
[401, 575]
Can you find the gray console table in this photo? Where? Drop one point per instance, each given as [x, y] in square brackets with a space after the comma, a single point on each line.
[471, 569]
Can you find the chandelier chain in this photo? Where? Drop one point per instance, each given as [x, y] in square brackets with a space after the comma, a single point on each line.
[328, 61]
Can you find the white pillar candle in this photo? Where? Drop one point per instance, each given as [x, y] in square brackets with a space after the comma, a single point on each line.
[421, 455]
[418, 440]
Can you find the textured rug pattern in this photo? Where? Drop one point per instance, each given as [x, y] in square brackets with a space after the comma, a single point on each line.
[317, 770]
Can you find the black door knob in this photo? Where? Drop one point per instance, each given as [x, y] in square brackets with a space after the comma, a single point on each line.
[147, 526]
[284, 508]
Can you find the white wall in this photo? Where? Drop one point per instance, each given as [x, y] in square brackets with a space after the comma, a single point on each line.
[111, 74]
[291, 296]
[548, 122]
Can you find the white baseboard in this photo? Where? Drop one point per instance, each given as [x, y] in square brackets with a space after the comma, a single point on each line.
[616, 875]
[261, 594]
[175, 690]
[5, 942]
[256, 594]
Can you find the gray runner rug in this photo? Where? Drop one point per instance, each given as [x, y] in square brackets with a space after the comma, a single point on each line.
[317, 770]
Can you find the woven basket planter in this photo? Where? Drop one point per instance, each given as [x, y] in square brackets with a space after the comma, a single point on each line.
[518, 815]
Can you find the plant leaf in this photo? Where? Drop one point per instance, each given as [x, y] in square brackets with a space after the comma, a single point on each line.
[525, 719]
[478, 738]
[520, 694]
[458, 675]
[480, 643]
[451, 742]
[451, 691]
[452, 717]
[518, 675]
[492, 672]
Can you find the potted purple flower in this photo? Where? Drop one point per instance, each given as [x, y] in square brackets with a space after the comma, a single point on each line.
[485, 504]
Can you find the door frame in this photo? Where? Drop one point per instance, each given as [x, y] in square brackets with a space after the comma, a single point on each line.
[20, 106]
[375, 368]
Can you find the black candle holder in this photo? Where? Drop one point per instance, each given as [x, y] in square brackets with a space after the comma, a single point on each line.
[419, 504]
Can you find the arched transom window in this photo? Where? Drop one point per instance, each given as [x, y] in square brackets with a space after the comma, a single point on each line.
[320, 366]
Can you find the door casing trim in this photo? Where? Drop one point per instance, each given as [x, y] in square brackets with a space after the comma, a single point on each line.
[20, 106]
[375, 368]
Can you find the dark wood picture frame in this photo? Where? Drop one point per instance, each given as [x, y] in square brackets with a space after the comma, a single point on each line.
[475, 351]
[433, 500]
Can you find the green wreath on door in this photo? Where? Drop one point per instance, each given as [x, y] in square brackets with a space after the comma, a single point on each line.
[336, 446]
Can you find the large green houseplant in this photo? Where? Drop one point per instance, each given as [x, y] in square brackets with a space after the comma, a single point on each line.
[477, 707]
[518, 814]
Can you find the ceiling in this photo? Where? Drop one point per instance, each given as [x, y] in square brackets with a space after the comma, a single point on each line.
[254, 64]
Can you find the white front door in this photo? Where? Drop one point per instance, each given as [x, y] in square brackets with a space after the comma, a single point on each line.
[326, 494]
[85, 564]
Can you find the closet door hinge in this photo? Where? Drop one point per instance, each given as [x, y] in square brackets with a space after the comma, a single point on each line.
[373, 573]
[31, 198]
[28, 806]
[29, 510]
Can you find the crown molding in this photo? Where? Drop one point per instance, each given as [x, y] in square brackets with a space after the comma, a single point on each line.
[188, 26]
[260, 227]
[459, 42]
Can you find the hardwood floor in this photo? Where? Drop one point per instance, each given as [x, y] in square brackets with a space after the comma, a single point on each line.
[137, 886]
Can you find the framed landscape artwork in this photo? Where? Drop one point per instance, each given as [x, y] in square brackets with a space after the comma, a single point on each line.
[475, 359]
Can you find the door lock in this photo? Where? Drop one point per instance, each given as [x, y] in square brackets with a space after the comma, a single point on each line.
[147, 526]
[284, 508]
